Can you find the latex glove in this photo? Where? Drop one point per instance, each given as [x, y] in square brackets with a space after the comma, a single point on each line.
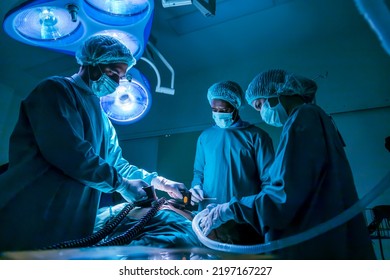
[215, 215]
[196, 194]
[131, 190]
[171, 187]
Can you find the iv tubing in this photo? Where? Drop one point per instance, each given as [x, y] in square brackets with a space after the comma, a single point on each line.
[377, 14]
[340, 219]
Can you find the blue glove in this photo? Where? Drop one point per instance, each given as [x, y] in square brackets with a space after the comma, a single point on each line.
[214, 216]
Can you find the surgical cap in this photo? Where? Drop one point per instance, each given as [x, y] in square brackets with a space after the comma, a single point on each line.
[228, 91]
[273, 83]
[103, 49]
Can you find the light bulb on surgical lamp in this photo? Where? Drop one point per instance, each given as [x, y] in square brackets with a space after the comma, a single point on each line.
[121, 6]
[45, 24]
[48, 22]
[125, 12]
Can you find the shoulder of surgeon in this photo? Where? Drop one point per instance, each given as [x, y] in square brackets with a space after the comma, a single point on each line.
[254, 129]
[306, 113]
[51, 85]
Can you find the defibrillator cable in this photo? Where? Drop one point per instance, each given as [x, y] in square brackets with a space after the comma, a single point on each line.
[96, 237]
[131, 233]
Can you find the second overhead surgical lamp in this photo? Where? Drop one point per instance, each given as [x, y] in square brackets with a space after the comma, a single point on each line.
[130, 102]
[62, 25]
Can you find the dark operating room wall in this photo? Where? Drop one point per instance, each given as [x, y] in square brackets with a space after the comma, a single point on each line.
[141, 152]
[176, 155]
[364, 132]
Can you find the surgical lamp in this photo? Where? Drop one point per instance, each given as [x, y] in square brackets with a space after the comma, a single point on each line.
[131, 100]
[61, 25]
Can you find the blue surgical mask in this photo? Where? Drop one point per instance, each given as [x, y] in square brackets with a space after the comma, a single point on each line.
[223, 120]
[104, 86]
[275, 116]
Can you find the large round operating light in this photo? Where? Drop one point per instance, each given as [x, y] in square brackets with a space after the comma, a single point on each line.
[46, 23]
[129, 40]
[130, 102]
[124, 11]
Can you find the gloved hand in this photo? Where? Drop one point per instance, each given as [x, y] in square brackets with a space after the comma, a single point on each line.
[171, 187]
[131, 190]
[215, 215]
[196, 194]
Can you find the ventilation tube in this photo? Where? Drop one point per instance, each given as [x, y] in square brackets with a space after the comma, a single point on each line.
[342, 218]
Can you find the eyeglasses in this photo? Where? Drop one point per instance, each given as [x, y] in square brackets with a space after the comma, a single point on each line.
[111, 73]
[127, 76]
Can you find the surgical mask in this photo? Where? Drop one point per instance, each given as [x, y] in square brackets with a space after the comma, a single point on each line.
[223, 120]
[104, 86]
[275, 116]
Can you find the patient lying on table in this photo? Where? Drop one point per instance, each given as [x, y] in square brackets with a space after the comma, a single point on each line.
[168, 228]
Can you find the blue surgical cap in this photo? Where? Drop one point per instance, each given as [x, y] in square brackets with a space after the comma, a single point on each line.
[265, 85]
[276, 82]
[103, 49]
[228, 91]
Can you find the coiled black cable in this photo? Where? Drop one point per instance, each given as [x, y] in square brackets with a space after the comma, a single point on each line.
[96, 237]
[129, 235]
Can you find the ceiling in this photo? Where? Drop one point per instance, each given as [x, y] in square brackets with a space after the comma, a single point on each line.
[242, 39]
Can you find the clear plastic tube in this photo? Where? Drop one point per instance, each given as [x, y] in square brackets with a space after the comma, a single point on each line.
[340, 219]
[377, 14]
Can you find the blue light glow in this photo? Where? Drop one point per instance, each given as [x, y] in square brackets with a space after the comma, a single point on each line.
[126, 12]
[45, 23]
[129, 40]
[130, 102]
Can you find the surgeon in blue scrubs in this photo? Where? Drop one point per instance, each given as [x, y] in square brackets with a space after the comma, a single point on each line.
[232, 157]
[311, 179]
[232, 160]
[64, 153]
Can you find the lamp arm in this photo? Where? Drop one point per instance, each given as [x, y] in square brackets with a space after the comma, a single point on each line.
[159, 88]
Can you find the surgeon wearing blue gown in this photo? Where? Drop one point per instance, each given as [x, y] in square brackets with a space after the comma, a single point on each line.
[64, 153]
[232, 157]
[311, 179]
